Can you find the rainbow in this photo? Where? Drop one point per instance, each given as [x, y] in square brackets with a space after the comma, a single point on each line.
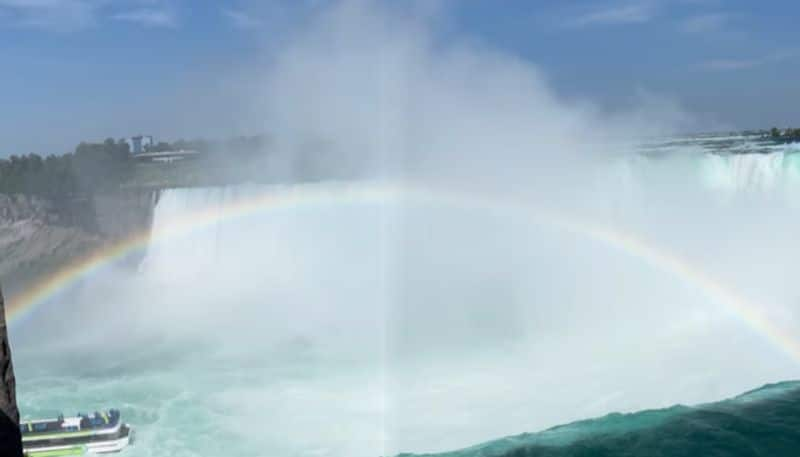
[292, 197]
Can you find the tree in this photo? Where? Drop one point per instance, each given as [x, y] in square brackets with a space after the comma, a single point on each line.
[161, 146]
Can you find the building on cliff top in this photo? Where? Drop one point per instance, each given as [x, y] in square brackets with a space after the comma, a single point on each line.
[140, 143]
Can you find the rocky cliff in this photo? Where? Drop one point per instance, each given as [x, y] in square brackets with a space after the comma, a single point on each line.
[10, 437]
[124, 213]
[39, 236]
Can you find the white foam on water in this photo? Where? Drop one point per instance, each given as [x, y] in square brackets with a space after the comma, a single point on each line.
[322, 330]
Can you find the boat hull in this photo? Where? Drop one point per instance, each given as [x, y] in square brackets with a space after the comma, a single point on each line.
[108, 446]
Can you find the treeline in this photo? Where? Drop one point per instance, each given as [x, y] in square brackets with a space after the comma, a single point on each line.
[98, 167]
[789, 134]
[32, 174]
[91, 168]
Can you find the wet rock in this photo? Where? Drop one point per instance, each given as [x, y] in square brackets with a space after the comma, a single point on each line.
[10, 437]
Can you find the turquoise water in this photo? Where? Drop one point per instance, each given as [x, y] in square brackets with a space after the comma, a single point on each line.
[375, 328]
[761, 422]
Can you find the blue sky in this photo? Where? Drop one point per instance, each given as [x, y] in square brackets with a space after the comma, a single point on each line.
[88, 69]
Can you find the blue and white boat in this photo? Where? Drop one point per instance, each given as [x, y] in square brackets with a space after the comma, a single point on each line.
[99, 433]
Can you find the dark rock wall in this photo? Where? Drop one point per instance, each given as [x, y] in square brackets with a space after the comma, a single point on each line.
[39, 236]
[113, 215]
[124, 213]
[10, 437]
[8, 396]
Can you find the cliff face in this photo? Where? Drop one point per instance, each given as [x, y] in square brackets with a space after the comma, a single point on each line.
[10, 437]
[38, 236]
[35, 238]
[124, 213]
[8, 396]
[15, 208]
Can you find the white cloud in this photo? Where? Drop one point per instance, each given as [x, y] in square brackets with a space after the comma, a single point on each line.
[745, 63]
[148, 17]
[731, 64]
[60, 15]
[241, 19]
[616, 14]
[705, 23]
[35, 3]
[71, 15]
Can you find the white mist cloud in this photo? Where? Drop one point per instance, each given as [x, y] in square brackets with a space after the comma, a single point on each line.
[621, 13]
[241, 19]
[382, 94]
[74, 15]
[58, 15]
[743, 63]
[705, 23]
[148, 17]
[364, 329]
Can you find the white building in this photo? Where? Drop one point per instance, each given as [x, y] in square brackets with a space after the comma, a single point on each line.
[139, 144]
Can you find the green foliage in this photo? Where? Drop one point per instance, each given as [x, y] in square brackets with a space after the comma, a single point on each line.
[789, 134]
[30, 174]
[93, 167]
[161, 146]
[100, 167]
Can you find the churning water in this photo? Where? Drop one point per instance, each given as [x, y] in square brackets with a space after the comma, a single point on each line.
[327, 322]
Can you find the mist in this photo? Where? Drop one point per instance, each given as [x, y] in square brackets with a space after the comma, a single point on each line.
[378, 94]
[407, 322]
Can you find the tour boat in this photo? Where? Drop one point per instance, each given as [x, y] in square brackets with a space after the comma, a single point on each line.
[99, 433]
